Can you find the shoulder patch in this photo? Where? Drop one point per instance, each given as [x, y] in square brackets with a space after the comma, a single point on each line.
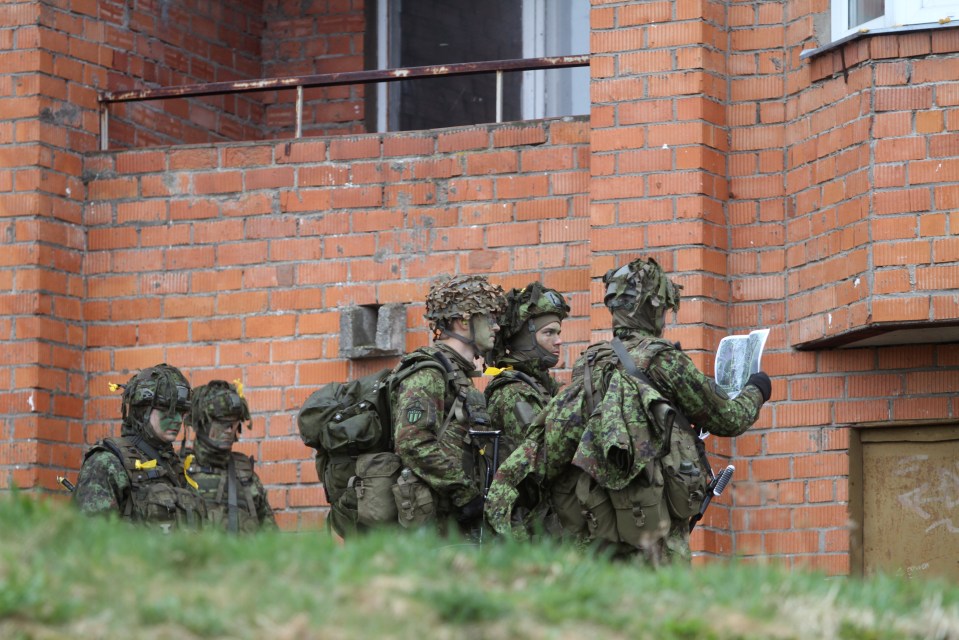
[415, 412]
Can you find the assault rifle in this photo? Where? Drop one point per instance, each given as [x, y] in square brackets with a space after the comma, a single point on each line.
[714, 488]
[490, 467]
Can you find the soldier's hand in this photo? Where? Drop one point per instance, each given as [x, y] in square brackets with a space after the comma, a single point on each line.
[762, 382]
[470, 511]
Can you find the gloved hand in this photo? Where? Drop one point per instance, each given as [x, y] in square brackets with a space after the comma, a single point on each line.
[470, 511]
[762, 382]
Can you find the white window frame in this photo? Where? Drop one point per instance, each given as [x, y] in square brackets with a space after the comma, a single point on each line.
[898, 13]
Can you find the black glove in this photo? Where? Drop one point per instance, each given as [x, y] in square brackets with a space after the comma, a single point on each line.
[470, 511]
[761, 381]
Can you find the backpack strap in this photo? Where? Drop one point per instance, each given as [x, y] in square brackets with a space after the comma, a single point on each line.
[630, 366]
[232, 518]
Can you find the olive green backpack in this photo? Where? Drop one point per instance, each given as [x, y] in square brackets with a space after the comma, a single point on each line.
[350, 426]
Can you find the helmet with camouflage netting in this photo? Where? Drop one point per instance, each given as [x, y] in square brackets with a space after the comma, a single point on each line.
[527, 311]
[160, 387]
[639, 294]
[462, 297]
[220, 401]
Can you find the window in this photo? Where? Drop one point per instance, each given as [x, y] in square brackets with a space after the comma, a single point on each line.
[851, 16]
[413, 33]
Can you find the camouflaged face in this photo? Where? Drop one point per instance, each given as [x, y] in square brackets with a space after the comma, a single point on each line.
[160, 387]
[219, 400]
[639, 295]
[462, 297]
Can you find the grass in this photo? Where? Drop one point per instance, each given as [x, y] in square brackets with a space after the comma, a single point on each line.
[63, 575]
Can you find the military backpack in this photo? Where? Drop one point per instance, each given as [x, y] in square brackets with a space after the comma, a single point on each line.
[350, 425]
[632, 461]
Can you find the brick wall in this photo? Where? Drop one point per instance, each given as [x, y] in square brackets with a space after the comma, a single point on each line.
[312, 38]
[813, 196]
[42, 384]
[232, 261]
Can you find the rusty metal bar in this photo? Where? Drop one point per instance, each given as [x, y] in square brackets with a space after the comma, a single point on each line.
[344, 78]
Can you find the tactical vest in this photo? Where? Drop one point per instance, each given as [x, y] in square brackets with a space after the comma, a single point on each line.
[158, 495]
[464, 408]
[213, 483]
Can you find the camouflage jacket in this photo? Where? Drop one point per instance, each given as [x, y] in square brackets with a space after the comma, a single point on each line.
[506, 395]
[118, 476]
[421, 403]
[211, 474]
[555, 440]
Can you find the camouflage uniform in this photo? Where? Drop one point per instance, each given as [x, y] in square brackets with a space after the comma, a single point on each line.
[521, 385]
[521, 377]
[235, 498]
[139, 476]
[432, 417]
[604, 451]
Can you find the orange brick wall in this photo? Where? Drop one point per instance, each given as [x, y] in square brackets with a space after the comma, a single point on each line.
[232, 261]
[815, 196]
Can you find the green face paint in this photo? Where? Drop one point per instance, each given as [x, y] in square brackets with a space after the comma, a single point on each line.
[484, 331]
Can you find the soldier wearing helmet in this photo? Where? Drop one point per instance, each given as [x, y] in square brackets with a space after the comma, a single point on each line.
[527, 347]
[436, 406]
[138, 475]
[617, 451]
[235, 498]
[639, 295]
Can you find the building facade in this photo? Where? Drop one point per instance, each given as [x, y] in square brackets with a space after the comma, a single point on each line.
[789, 179]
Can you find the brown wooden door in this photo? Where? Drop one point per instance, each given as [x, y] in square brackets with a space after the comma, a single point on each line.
[909, 493]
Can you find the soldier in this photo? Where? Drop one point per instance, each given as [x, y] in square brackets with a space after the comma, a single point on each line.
[235, 498]
[623, 440]
[139, 476]
[435, 407]
[527, 347]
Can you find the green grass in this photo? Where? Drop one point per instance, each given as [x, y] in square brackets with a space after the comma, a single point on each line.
[67, 576]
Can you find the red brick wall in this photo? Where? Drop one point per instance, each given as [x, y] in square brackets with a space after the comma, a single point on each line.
[42, 384]
[313, 38]
[232, 261]
[145, 44]
[813, 196]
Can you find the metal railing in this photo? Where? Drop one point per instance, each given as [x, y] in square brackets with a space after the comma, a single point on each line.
[299, 83]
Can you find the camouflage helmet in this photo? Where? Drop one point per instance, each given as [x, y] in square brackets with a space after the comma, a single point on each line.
[160, 387]
[527, 311]
[462, 297]
[639, 294]
[219, 400]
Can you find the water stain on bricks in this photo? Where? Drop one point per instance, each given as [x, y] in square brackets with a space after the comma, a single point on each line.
[69, 114]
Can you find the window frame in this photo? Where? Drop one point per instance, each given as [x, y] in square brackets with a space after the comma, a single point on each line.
[897, 13]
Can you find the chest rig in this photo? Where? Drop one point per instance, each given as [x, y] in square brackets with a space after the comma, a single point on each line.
[228, 493]
[158, 496]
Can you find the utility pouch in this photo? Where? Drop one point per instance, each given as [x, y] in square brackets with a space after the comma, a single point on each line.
[597, 509]
[685, 489]
[376, 473]
[565, 504]
[338, 482]
[684, 475]
[641, 515]
[414, 501]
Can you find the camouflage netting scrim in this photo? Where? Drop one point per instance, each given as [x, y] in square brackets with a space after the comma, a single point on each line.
[639, 295]
[218, 400]
[462, 297]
